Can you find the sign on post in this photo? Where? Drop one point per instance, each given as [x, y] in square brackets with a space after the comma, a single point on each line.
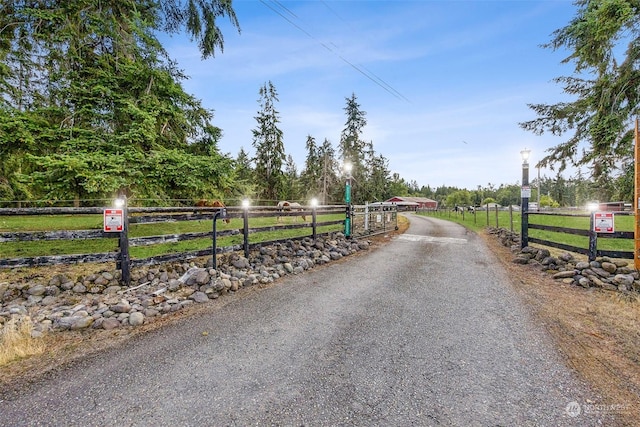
[525, 191]
[113, 220]
[604, 222]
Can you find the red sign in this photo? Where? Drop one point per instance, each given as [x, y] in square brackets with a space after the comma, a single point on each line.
[113, 222]
[603, 222]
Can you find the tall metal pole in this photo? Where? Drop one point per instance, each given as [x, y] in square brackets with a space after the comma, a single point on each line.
[125, 259]
[636, 202]
[347, 199]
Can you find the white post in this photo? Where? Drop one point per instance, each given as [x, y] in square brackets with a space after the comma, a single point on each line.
[366, 216]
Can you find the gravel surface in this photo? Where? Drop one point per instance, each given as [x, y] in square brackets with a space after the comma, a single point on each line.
[424, 331]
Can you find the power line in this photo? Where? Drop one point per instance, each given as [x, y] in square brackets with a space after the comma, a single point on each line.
[362, 70]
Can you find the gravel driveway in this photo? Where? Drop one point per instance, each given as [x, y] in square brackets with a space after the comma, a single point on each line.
[424, 331]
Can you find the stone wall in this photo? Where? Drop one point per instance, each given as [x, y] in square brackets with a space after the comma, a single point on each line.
[604, 272]
[99, 301]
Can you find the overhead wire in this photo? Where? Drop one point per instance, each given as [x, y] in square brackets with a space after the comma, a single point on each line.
[360, 69]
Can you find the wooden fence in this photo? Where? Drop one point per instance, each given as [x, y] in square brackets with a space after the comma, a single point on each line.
[155, 215]
[592, 251]
[148, 215]
[511, 218]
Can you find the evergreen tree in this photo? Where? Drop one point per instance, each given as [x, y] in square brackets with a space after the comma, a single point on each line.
[291, 190]
[269, 146]
[352, 147]
[376, 175]
[311, 176]
[606, 89]
[244, 170]
[90, 103]
[331, 170]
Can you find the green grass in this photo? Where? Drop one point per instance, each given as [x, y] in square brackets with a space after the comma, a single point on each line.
[93, 222]
[512, 221]
[15, 224]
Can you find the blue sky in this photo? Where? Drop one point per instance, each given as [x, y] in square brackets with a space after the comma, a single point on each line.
[444, 84]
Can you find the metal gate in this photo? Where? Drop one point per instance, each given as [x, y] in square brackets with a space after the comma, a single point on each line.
[373, 218]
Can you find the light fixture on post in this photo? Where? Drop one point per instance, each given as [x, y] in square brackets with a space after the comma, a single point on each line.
[347, 199]
[124, 263]
[525, 193]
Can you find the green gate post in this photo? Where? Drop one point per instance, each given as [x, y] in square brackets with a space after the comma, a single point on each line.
[347, 200]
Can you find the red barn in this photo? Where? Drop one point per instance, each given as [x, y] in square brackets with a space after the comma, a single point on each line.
[413, 203]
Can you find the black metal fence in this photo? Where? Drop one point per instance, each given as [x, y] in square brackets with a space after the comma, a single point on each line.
[162, 215]
[592, 233]
[366, 220]
[512, 218]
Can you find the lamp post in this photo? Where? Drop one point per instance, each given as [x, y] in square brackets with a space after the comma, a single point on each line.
[525, 194]
[347, 199]
[125, 259]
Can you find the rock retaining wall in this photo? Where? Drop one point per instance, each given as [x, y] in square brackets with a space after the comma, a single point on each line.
[99, 300]
[604, 272]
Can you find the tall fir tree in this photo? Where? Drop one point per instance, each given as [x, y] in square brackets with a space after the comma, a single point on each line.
[269, 146]
[331, 170]
[292, 189]
[311, 175]
[352, 147]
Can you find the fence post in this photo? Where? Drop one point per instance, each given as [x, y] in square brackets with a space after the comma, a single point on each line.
[245, 229]
[366, 216]
[593, 238]
[396, 217]
[524, 239]
[223, 214]
[125, 265]
[497, 225]
[314, 220]
[487, 214]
